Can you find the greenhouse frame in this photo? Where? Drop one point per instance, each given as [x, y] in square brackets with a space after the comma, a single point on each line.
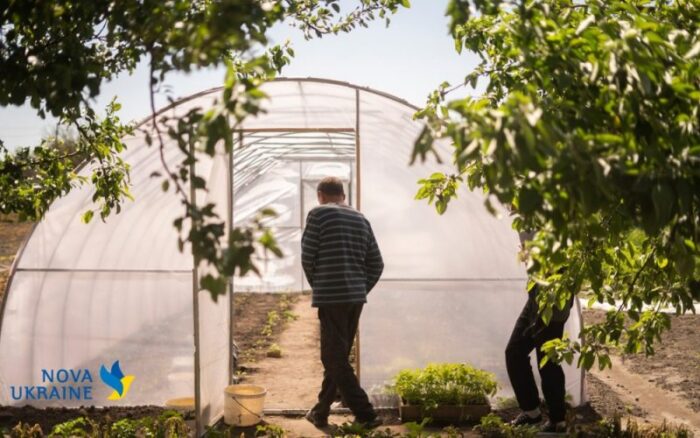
[83, 296]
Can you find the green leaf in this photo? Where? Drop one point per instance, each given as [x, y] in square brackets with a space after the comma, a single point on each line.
[87, 216]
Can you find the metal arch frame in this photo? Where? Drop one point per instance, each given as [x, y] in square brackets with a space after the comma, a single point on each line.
[358, 178]
[309, 79]
[240, 132]
[195, 312]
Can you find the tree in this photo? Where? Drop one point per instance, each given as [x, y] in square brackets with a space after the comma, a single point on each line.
[589, 130]
[56, 54]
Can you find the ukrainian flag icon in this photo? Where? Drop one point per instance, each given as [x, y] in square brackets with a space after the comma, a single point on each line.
[116, 380]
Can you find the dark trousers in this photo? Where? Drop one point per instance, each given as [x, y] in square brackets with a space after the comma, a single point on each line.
[529, 334]
[338, 328]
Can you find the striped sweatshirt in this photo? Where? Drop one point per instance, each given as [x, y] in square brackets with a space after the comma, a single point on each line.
[340, 255]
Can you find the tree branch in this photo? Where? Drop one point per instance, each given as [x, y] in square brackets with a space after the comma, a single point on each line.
[161, 144]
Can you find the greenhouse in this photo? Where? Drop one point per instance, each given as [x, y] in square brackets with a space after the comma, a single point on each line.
[81, 297]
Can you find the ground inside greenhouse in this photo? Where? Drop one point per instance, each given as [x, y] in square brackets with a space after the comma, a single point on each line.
[665, 387]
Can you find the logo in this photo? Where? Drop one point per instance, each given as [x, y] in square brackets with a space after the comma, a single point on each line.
[116, 380]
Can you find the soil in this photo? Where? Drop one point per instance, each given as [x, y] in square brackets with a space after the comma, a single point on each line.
[675, 367]
[293, 380]
[250, 316]
[605, 402]
[655, 389]
[47, 418]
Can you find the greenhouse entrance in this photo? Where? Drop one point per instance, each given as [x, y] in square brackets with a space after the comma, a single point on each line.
[280, 169]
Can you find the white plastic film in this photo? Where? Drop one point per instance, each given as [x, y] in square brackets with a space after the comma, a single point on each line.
[409, 324]
[88, 295]
[83, 320]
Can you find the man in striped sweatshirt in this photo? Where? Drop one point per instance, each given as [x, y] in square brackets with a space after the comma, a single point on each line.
[342, 263]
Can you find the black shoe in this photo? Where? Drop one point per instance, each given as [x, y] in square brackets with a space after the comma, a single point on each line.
[316, 420]
[526, 420]
[553, 427]
[371, 423]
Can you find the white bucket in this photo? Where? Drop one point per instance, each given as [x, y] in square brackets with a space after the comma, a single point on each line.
[243, 405]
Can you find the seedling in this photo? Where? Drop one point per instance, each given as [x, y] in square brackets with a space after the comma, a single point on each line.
[493, 426]
[80, 426]
[274, 351]
[24, 430]
[270, 431]
[445, 384]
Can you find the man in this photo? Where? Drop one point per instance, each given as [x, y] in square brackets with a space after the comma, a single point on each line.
[530, 333]
[342, 264]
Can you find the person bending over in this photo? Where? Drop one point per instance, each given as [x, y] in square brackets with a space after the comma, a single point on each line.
[342, 263]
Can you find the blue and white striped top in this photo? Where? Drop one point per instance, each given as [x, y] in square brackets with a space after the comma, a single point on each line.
[339, 254]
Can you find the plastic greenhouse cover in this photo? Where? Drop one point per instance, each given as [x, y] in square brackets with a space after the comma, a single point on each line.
[88, 295]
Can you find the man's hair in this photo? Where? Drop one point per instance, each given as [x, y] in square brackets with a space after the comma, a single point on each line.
[331, 186]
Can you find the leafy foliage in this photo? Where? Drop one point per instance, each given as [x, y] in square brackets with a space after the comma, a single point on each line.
[79, 427]
[445, 384]
[357, 430]
[270, 431]
[612, 428]
[169, 424]
[493, 426]
[56, 56]
[24, 430]
[589, 129]
[413, 430]
[30, 179]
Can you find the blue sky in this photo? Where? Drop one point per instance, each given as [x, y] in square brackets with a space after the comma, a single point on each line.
[408, 59]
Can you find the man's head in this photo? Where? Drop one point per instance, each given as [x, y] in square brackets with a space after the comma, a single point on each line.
[330, 189]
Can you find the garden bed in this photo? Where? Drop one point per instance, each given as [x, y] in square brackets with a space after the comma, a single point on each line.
[444, 414]
[46, 418]
[676, 365]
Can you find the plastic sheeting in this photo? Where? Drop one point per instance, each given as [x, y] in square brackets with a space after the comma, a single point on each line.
[83, 296]
[452, 286]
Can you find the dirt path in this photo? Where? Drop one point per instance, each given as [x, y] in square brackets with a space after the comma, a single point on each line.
[293, 380]
[660, 405]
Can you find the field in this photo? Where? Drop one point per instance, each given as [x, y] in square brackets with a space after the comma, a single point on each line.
[665, 387]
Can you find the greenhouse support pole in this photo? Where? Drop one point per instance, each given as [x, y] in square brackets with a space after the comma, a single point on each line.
[195, 311]
[583, 369]
[358, 175]
[229, 212]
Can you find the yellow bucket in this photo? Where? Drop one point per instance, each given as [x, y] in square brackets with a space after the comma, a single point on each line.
[183, 405]
[243, 405]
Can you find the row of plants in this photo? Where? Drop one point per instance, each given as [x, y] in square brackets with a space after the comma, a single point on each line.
[493, 426]
[169, 424]
[274, 321]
